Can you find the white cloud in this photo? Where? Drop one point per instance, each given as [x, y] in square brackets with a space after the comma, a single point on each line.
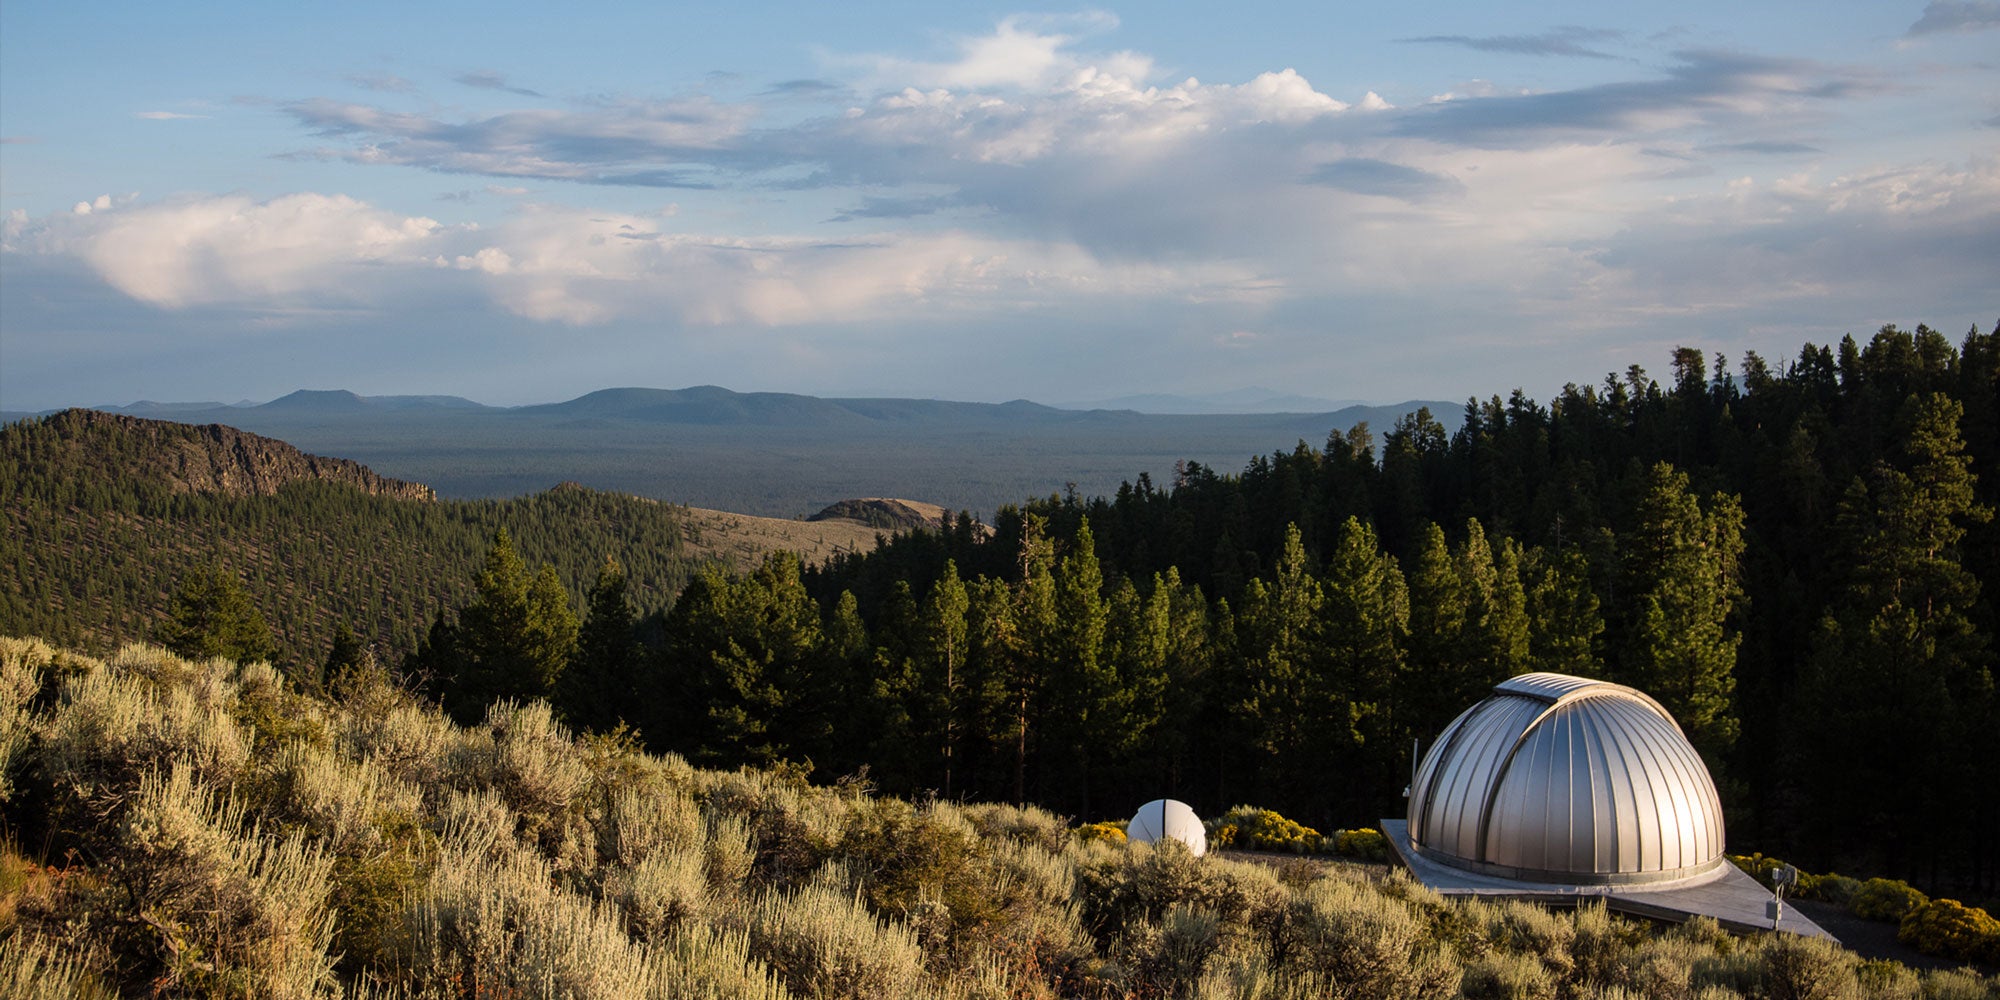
[576, 266]
[228, 249]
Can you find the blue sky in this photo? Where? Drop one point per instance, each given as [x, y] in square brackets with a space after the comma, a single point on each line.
[204, 201]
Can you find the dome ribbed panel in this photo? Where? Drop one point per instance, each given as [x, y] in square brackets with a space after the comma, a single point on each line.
[1557, 777]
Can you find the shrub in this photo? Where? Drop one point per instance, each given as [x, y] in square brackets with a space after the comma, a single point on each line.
[1369, 845]
[1887, 900]
[225, 912]
[1252, 829]
[824, 943]
[1808, 968]
[1950, 929]
[1504, 975]
[35, 967]
[492, 920]
[1109, 832]
[1830, 888]
[1363, 943]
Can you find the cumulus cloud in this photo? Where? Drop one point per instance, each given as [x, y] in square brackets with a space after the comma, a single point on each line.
[228, 249]
[1957, 17]
[574, 266]
[1564, 41]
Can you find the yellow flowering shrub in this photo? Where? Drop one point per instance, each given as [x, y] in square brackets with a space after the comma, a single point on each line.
[1951, 929]
[1254, 829]
[1107, 831]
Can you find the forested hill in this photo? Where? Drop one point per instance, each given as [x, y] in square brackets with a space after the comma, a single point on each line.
[81, 446]
[105, 514]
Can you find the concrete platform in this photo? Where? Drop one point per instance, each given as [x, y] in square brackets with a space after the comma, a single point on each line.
[1728, 894]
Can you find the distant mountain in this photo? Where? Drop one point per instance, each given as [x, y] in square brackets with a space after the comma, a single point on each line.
[1248, 400]
[778, 454]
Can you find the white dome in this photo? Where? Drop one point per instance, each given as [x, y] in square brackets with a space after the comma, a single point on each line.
[1565, 779]
[1168, 818]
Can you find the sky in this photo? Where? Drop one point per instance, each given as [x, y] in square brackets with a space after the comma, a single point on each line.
[229, 201]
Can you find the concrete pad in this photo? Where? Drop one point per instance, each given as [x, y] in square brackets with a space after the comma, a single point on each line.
[1726, 893]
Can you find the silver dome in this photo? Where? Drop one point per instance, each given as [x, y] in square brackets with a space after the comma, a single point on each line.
[1565, 779]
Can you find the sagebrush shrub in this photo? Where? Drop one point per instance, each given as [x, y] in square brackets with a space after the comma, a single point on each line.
[35, 968]
[492, 921]
[825, 943]
[109, 730]
[1808, 968]
[1364, 944]
[226, 908]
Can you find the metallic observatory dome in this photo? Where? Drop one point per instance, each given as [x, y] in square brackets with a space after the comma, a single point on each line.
[1565, 779]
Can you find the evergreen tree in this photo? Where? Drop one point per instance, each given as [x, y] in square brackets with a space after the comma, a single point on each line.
[1564, 625]
[1898, 677]
[514, 639]
[213, 616]
[946, 643]
[1366, 623]
[598, 689]
[1681, 578]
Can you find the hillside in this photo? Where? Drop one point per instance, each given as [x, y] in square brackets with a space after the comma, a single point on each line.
[774, 454]
[206, 830]
[104, 512]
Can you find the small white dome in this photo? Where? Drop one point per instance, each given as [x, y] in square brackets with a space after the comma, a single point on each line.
[1168, 818]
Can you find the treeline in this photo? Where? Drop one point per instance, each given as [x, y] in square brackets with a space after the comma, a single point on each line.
[1799, 555]
[97, 538]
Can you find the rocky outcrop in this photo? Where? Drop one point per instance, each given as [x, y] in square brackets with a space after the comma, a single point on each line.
[887, 513]
[213, 458]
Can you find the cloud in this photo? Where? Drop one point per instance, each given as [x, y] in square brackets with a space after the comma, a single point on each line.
[1922, 234]
[280, 253]
[897, 208]
[1956, 17]
[1705, 89]
[494, 81]
[573, 266]
[385, 82]
[163, 116]
[653, 143]
[1379, 177]
[1565, 41]
[805, 89]
[1768, 147]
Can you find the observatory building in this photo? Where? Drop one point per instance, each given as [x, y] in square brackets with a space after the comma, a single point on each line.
[1562, 789]
[1168, 818]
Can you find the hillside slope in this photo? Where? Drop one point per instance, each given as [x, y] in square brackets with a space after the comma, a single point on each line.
[104, 513]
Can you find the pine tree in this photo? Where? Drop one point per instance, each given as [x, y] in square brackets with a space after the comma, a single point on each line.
[514, 639]
[945, 640]
[212, 616]
[1681, 578]
[598, 689]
